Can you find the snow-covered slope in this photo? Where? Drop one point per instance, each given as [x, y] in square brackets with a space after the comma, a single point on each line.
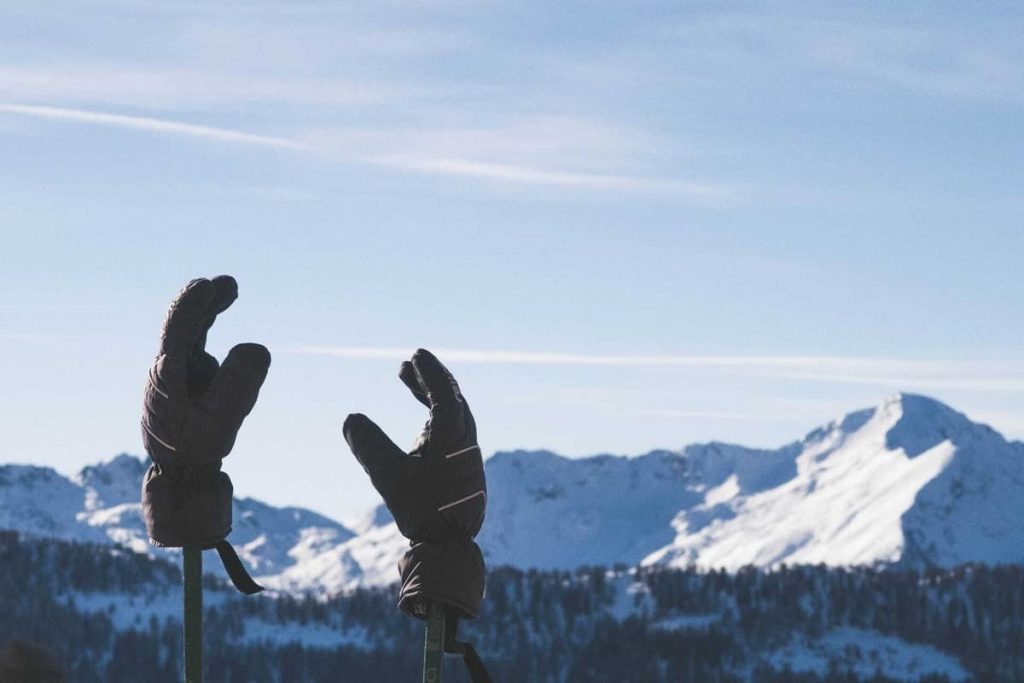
[551, 512]
[910, 482]
[41, 502]
[101, 504]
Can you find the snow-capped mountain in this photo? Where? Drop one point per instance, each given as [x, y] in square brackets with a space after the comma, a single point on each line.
[551, 512]
[101, 505]
[909, 482]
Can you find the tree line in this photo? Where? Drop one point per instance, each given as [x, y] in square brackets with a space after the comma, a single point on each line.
[591, 625]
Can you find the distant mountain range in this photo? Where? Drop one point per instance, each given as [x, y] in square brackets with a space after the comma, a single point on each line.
[909, 483]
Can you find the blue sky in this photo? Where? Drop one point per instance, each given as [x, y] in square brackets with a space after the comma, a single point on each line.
[625, 226]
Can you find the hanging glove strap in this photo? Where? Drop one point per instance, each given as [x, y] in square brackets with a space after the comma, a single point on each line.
[475, 667]
[236, 570]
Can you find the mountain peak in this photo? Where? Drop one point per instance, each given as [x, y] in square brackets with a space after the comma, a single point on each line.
[911, 422]
[121, 465]
[113, 482]
[919, 405]
[921, 423]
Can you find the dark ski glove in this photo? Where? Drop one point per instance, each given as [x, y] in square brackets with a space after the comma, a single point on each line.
[192, 411]
[436, 492]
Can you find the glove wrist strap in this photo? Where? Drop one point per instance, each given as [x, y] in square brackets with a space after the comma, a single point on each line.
[236, 570]
[476, 669]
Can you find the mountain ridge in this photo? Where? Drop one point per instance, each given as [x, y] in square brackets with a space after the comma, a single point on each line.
[911, 482]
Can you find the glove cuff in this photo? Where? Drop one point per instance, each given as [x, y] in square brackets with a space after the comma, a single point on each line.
[450, 574]
[188, 505]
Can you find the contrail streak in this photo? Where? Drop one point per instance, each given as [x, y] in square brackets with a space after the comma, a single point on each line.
[154, 125]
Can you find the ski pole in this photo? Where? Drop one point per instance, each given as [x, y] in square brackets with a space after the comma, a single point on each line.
[433, 644]
[193, 616]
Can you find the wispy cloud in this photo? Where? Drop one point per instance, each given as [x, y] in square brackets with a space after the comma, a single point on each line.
[754, 415]
[558, 358]
[153, 125]
[554, 151]
[709, 193]
[996, 378]
[984, 376]
[565, 142]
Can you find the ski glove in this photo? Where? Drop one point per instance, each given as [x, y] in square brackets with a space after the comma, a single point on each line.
[192, 411]
[436, 492]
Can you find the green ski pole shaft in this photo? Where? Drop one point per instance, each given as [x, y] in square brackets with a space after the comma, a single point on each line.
[433, 645]
[193, 616]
